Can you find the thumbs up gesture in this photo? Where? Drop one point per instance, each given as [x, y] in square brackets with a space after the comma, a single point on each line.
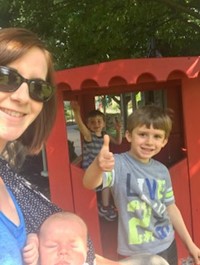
[106, 158]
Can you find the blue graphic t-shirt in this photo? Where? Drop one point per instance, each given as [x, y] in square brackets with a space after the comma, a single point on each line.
[142, 193]
[12, 238]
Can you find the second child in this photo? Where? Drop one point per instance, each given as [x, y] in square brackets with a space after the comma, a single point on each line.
[93, 132]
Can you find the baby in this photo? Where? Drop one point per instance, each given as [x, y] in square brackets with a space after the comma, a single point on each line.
[63, 240]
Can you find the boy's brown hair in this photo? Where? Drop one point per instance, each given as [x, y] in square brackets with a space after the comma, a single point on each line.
[95, 113]
[150, 115]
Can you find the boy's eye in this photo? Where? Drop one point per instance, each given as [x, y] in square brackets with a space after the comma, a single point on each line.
[158, 136]
[142, 134]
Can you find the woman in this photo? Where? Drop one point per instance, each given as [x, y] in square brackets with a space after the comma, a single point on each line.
[27, 114]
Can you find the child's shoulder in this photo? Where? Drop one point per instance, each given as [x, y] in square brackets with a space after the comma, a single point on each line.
[159, 164]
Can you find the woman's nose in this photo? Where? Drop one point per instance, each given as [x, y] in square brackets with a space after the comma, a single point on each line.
[21, 94]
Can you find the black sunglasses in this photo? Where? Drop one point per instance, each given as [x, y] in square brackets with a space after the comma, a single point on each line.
[11, 80]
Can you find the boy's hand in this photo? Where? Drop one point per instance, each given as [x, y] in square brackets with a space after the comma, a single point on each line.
[118, 125]
[106, 158]
[30, 251]
[75, 106]
[195, 253]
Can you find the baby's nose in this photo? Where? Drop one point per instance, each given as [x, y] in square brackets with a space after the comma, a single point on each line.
[63, 251]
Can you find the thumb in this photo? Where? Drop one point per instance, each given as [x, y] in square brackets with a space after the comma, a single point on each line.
[106, 141]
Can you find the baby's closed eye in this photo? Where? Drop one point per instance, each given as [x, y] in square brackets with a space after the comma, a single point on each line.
[51, 246]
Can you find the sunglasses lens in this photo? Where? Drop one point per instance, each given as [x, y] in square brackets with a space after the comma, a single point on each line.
[40, 90]
[9, 81]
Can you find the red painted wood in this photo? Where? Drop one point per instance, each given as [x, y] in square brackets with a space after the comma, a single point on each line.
[65, 179]
[85, 205]
[58, 162]
[180, 181]
[127, 72]
[191, 108]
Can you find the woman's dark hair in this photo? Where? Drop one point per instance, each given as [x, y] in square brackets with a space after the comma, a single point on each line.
[14, 43]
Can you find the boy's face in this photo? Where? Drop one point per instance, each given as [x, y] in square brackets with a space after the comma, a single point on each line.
[146, 142]
[96, 124]
[62, 244]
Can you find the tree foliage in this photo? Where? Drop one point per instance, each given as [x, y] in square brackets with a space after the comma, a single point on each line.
[82, 32]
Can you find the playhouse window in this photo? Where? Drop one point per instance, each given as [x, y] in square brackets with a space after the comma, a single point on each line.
[117, 106]
[121, 106]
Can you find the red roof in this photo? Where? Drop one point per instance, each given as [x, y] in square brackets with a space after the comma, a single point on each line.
[129, 71]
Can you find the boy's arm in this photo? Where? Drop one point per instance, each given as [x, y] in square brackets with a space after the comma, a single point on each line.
[103, 162]
[118, 137]
[100, 260]
[77, 116]
[136, 260]
[180, 228]
[31, 250]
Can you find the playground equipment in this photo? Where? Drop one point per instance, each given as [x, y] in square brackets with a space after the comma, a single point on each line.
[172, 82]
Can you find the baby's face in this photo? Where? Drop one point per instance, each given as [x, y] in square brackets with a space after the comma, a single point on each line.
[61, 246]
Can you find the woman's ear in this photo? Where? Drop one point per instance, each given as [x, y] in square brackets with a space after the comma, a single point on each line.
[128, 136]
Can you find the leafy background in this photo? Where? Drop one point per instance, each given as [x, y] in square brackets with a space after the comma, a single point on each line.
[82, 32]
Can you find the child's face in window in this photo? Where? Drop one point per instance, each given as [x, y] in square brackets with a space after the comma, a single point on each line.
[96, 124]
[146, 142]
[63, 244]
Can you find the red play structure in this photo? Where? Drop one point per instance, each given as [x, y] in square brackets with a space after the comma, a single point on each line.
[174, 83]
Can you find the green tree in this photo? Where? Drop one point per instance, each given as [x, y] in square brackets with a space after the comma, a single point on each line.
[82, 32]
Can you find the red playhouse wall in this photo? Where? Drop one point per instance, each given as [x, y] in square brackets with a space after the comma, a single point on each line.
[65, 180]
[180, 78]
[191, 109]
[180, 181]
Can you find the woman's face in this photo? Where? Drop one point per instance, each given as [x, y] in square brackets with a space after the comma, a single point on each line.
[17, 109]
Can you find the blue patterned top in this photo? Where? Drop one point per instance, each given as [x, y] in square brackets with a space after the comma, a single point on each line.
[12, 237]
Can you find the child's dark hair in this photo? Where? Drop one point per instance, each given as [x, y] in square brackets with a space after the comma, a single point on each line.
[150, 115]
[95, 113]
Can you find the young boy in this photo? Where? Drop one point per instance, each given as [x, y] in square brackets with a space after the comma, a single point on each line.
[142, 190]
[93, 133]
